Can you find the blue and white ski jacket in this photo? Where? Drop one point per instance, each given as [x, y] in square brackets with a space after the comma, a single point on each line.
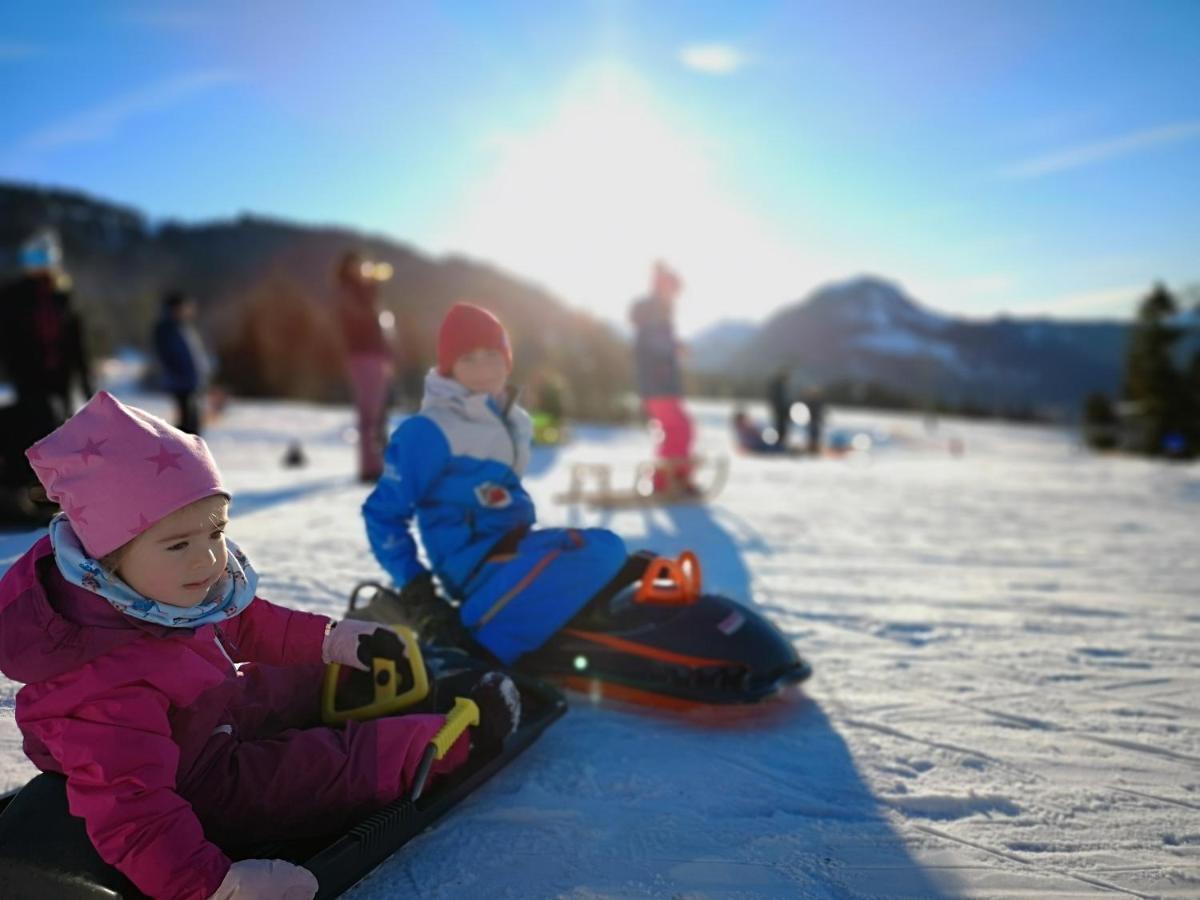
[456, 468]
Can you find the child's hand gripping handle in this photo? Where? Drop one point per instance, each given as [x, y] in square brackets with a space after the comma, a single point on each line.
[464, 714]
[399, 679]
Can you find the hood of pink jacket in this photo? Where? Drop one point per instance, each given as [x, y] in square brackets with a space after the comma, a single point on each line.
[49, 626]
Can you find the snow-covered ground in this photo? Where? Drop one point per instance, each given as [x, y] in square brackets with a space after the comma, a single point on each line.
[1006, 699]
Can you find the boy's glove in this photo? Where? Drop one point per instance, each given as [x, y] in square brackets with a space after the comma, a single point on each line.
[499, 704]
[435, 620]
[266, 879]
[419, 591]
[354, 643]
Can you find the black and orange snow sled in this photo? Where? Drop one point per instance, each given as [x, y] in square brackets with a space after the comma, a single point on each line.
[651, 636]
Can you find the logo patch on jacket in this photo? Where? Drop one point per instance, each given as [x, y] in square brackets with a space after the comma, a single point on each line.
[492, 495]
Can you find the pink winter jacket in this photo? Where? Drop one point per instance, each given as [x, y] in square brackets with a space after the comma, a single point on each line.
[123, 708]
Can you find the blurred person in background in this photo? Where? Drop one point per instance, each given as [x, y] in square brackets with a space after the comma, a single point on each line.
[815, 401]
[41, 337]
[184, 367]
[780, 400]
[370, 358]
[660, 382]
[749, 437]
[42, 356]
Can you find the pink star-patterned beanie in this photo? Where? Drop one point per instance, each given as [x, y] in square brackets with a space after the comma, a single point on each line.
[116, 470]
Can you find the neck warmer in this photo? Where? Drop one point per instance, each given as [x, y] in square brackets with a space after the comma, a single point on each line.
[225, 599]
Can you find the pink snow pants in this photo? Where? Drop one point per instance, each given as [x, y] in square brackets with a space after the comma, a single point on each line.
[675, 446]
[370, 374]
[277, 776]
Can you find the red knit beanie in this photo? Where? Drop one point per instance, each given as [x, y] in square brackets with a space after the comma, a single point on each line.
[466, 328]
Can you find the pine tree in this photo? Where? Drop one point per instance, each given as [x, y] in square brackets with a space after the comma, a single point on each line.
[1151, 379]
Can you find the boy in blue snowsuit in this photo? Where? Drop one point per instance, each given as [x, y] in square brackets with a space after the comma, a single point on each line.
[456, 469]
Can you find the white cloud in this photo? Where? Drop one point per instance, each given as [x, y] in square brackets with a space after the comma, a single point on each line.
[103, 121]
[712, 59]
[1087, 154]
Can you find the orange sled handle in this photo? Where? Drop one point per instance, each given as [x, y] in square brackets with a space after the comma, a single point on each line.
[671, 582]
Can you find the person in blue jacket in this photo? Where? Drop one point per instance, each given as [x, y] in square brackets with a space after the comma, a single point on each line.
[455, 469]
[183, 363]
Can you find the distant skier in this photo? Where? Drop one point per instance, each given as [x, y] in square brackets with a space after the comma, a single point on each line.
[125, 623]
[660, 382]
[183, 364]
[455, 468]
[370, 357]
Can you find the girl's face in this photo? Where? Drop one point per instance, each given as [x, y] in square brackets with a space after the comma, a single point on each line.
[482, 371]
[177, 559]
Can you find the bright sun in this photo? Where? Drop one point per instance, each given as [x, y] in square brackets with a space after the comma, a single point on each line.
[585, 204]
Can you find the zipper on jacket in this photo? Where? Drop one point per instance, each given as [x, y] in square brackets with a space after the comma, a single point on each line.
[221, 647]
[502, 415]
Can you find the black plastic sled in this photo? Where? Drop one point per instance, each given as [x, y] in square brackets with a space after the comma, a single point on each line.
[651, 637]
[45, 852]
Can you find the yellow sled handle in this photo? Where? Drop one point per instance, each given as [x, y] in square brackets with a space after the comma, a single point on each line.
[464, 714]
[388, 699]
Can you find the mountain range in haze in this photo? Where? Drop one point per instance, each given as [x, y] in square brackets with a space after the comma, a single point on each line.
[265, 289]
[867, 331]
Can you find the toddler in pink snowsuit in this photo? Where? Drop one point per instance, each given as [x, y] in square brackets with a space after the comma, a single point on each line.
[125, 624]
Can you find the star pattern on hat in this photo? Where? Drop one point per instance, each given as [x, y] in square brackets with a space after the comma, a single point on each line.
[165, 459]
[91, 448]
[142, 525]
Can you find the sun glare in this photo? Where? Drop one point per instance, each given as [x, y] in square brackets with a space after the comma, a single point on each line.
[586, 203]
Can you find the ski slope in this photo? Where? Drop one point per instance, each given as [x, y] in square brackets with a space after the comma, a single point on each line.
[1006, 700]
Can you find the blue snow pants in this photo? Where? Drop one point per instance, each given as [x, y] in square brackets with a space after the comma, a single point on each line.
[517, 601]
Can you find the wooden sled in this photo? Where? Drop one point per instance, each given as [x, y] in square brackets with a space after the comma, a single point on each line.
[591, 485]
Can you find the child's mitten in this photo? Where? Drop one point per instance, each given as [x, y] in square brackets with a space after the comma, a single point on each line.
[266, 879]
[354, 643]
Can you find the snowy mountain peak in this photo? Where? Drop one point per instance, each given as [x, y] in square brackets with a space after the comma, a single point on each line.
[873, 303]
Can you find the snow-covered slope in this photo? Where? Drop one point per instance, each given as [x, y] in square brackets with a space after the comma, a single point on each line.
[1005, 700]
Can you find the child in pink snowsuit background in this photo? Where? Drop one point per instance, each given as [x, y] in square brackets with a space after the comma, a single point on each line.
[660, 382]
[125, 623]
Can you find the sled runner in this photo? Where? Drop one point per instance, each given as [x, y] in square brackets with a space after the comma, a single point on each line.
[652, 637]
[591, 484]
[45, 851]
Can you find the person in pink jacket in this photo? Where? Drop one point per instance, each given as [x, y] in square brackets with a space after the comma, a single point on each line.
[126, 624]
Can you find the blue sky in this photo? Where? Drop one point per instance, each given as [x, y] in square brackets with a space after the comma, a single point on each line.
[1021, 157]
